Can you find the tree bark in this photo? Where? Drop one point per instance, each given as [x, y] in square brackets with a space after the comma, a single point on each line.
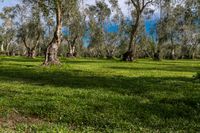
[31, 52]
[2, 49]
[7, 49]
[193, 55]
[72, 47]
[173, 54]
[130, 54]
[72, 52]
[156, 55]
[172, 48]
[139, 8]
[51, 56]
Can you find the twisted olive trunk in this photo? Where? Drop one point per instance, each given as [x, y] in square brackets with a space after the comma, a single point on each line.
[31, 52]
[2, 47]
[72, 47]
[51, 56]
[72, 52]
[139, 8]
[130, 54]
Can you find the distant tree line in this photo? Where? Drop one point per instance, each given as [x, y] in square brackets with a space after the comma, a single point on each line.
[53, 28]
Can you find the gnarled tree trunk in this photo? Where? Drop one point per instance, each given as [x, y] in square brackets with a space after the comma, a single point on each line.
[139, 8]
[173, 57]
[193, 55]
[172, 48]
[72, 52]
[72, 47]
[7, 49]
[157, 56]
[130, 54]
[2, 48]
[110, 53]
[2, 51]
[51, 56]
[31, 52]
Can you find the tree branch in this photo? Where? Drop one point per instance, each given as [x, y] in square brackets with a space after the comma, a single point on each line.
[145, 4]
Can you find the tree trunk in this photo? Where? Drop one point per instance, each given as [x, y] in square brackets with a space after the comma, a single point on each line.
[72, 47]
[110, 53]
[173, 54]
[193, 55]
[72, 52]
[31, 53]
[7, 49]
[51, 56]
[130, 54]
[172, 48]
[156, 55]
[2, 49]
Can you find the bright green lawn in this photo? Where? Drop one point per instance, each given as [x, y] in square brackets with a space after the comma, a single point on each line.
[93, 95]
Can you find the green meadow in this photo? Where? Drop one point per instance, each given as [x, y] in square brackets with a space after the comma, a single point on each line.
[96, 95]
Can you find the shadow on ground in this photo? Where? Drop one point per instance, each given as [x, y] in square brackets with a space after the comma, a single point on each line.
[170, 68]
[143, 104]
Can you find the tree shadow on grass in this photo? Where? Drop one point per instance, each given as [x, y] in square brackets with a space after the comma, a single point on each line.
[167, 114]
[88, 80]
[141, 109]
[20, 59]
[64, 60]
[170, 68]
[75, 61]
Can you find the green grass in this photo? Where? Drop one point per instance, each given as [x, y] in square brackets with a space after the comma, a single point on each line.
[90, 95]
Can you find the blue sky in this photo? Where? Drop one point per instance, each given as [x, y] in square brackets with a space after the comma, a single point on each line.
[8, 3]
[110, 28]
[86, 2]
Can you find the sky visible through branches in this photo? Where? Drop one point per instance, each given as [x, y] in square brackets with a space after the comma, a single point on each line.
[149, 23]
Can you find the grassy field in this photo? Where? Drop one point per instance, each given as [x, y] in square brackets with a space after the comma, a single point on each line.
[90, 95]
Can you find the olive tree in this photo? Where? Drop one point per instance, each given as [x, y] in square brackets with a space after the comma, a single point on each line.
[7, 29]
[138, 7]
[61, 9]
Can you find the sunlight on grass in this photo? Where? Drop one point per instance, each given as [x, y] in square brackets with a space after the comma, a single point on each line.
[93, 95]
